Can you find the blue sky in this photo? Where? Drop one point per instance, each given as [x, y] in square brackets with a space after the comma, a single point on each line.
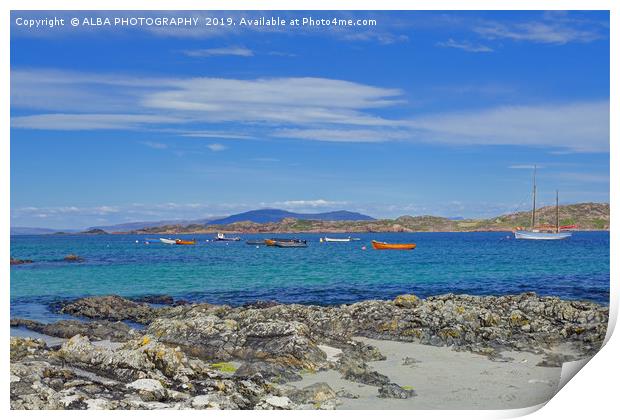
[425, 113]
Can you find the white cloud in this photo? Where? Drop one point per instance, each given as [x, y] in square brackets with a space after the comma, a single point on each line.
[544, 32]
[216, 147]
[302, 108]
[216, 134]
[211, 52]
[580, 177]
[465, 46]
[296, 204]
[582, 127]
[64, 210]
[342, 135]
[111, 101]
[90, 121]
[154, 145]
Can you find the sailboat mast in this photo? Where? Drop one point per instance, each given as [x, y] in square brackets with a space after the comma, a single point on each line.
[534, 200]
[557, 212]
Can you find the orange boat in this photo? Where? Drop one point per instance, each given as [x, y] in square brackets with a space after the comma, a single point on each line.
[182, 242]
[384, 245]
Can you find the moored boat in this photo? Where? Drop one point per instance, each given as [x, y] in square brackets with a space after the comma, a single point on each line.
[543, 233]
[255, 242]
[273, 241]
[222, 237]
[385, 245]
[168, 241]
[290, 244]
[185, 242]
[326, 239]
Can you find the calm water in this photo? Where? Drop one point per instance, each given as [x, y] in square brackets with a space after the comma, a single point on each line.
[323, 273]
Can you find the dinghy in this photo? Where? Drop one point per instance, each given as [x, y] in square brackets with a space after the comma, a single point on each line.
[168, 241]
[290, 244]
[385, 245]
[272, 241]
[184, 242]
[326, 239]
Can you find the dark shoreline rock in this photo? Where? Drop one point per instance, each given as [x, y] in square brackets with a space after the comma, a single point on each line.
[99, 330]
[155, 299]
[218, 356]
[111, 308]
[17, 261]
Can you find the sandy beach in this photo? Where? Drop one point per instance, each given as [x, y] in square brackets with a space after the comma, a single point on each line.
[447, 379]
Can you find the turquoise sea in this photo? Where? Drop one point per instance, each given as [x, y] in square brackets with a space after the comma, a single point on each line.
[324, 273]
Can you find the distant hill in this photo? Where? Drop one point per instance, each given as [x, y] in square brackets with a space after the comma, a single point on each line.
[586, 216]
[276, 215]
[94, 232]
[19, 230]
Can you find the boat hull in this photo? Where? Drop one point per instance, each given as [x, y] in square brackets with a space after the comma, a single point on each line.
[182, 242]
[383, 245]
[541, 236]
[290, 244]
[168, 241]
[273, 241]
[337, 239]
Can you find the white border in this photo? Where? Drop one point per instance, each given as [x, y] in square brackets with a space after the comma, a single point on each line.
[593, 394]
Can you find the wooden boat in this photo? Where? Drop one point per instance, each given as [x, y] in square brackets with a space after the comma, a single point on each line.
[543, 233]
[184, 242]
[255, 242]
[273, 241]
[168, 241]
[222, 237]
[326, 239]
[385, 245]
[290, 244]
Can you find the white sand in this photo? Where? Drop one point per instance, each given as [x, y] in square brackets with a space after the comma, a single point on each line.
[447, 379]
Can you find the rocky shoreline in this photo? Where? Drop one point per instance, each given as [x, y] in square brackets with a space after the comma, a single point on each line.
[251, 357]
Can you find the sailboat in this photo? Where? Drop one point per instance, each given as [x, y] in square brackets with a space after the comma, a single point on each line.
[546, 234]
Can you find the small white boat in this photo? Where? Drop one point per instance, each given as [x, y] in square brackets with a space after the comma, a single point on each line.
[326, 239]
[168, 241]
[349, 239]
[222, 237]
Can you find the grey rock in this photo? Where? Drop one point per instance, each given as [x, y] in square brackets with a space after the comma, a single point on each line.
[99, 330]
[393, 390]
[111, 308]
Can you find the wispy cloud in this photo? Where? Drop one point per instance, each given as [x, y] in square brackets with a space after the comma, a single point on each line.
[154, 145]
[343, 135]
[91, 121]
[297, 101]
[582, 127]
[385, 38]
[302, 108]
[216, 147]
[222, 51]
[297, 204]
[544, 32]
[216, 135]
[580, 177]
[465, 46]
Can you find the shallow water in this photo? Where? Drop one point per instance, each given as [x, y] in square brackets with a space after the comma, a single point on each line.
[324, 273]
